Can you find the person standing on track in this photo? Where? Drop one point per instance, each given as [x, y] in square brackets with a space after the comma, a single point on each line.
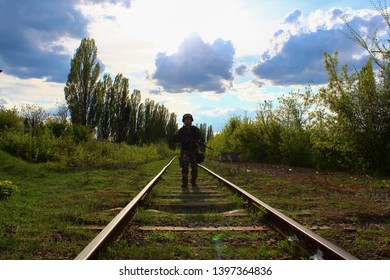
[190, 138]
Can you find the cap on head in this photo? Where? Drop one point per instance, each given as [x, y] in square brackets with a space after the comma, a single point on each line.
[187, 116]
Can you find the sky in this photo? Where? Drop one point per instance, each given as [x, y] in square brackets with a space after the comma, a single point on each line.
[211, 58]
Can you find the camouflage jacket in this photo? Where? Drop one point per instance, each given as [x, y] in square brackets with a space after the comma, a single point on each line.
[190, 138]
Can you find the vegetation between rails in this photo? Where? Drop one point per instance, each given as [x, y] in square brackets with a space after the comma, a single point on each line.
[214, 243]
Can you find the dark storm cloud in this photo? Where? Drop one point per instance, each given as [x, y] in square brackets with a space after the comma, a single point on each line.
[29, 31]
[197, 66]
[301, 57]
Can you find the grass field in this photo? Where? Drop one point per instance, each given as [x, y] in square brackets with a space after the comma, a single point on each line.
[44, 219]
[47, 217]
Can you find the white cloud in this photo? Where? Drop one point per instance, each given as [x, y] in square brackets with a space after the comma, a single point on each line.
[250, 91]
[196, 66]
[297, 59]
[17, 91]
[215, 112]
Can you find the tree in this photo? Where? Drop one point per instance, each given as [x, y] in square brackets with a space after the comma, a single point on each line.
[172, 127]
[140, 123]
[104, 89]
[10, 119]
[134, 103]
[270, 128]
[61, 114]
[295, 144]
[372, 43]
[203, 131]
[82, 82]
[210, 133]
[33, 114]
[361, 116]
[121, 108]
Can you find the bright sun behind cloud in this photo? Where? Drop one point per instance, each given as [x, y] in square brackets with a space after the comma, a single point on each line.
[151, 26]
[172, 20]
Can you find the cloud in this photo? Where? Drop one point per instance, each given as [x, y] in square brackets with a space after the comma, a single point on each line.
[197, 66]
[126, 3]
[241, 70]
[293, 17]
[32, 35]
[218, 116]
[5, 102]
[14, 91]
[299, 58]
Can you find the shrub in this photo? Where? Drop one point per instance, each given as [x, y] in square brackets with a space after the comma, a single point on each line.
[62, 146]
[59, 128]
[9, 119]
[37, 146]
[296, 147]
[81, 133]
[7, 188]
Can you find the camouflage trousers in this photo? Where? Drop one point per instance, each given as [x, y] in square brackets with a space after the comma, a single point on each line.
[186, 160]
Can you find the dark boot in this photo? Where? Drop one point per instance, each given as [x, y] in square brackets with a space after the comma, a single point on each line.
[194, 176]
[184, 181]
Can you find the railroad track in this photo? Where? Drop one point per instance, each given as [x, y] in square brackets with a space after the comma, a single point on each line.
[217, 220]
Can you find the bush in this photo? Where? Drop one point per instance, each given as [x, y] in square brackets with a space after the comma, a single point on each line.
[62, 146]
[7, 188]
[38, 146]
[97, 154]
[10, 120]
[296, 147]
[81, 133]
[59, 128]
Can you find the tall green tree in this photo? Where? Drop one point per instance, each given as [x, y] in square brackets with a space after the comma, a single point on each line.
[134, 103]
[210, 133]
[121, 108]
[171, 129]
[104, 90]
[270, 128]
[81, 84]
[203, 130]
[147, 127]
[295, 144]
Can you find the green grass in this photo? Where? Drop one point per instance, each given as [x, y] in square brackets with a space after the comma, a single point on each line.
[354, 207]
[44, 219]
[199, 245]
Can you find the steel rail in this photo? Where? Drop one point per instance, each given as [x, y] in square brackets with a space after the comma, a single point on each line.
[120, 221]
[289, 227]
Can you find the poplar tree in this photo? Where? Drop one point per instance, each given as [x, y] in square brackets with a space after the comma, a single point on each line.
[121, 108]
[210, 133]
[172, 127]
[81, 84]
[134, 103]
[105, 91]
